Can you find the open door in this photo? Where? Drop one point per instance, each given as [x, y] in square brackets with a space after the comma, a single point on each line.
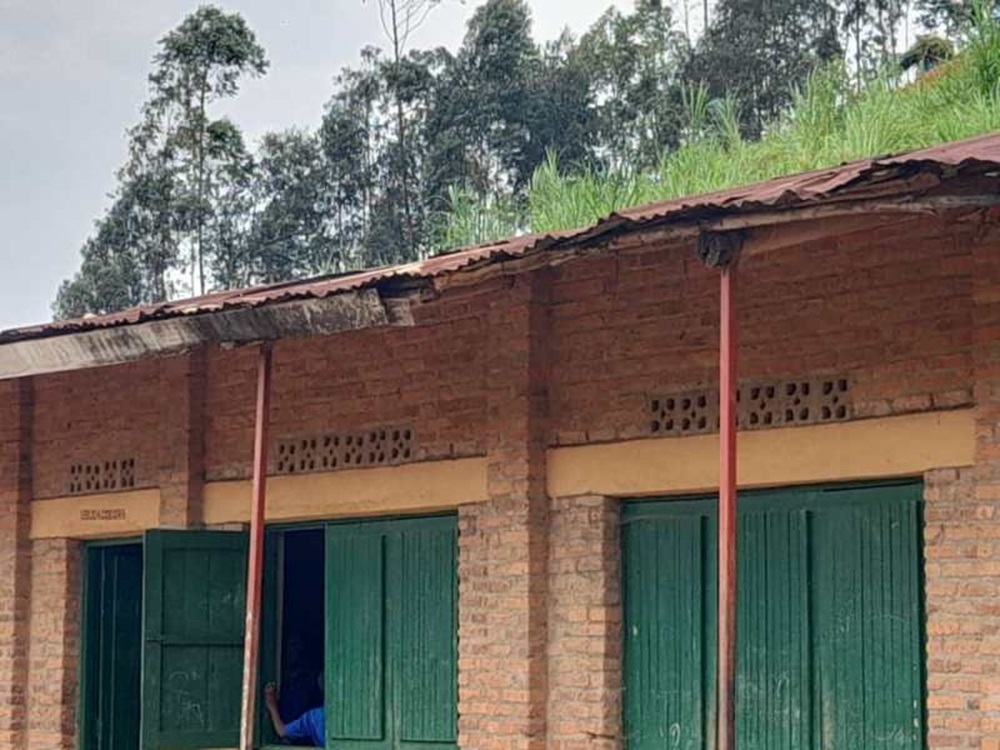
[391, 653]
[112, 629]
[194, 595]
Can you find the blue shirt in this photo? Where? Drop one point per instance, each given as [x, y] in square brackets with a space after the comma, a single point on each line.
[309, 726]
[298, 696]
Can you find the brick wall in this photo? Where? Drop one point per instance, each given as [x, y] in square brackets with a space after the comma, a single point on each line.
[55, 644]
[182, 440]
[16, 399]
[96, 416]
[895, 316]
[962, 546]
[429, 378]
[625, 328]
[505, 369]
[960, 604]
[585, 638]
[503, 543]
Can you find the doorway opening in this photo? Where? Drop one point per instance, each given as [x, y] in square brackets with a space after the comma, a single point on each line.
[369, 609]
[112, 629]
[301, 623]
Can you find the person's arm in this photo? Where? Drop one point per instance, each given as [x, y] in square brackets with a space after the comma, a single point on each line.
[271, 701]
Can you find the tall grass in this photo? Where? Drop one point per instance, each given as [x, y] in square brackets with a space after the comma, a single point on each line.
[826, 125]
[472, 221]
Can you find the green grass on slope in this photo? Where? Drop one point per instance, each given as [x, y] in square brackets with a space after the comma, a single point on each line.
[828, 125]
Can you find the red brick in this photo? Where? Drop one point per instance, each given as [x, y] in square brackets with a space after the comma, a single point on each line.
[505, 369]
[55, 644]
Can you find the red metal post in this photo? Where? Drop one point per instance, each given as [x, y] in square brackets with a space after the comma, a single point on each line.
[726, 657]
[251, 643]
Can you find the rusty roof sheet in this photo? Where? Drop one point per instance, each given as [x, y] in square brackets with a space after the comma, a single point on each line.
[795, 190]
[824, 183]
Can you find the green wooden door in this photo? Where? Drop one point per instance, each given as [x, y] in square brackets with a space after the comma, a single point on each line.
[773, 696]
[112, 648]
[829, 621]
[668, 566]
[391, 664]
[195, 589]
[868, 623]
[355, 641]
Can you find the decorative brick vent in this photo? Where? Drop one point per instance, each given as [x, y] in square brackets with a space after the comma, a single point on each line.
[687, 413]
[106, 476]
[355, 450]
[780, 403]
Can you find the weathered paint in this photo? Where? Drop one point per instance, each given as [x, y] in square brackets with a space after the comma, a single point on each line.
[424, 638]
[888, 447]
[194, 590]
[355, 643]
[426, 487]
[423, 487]
[829, 633]
[96, 516]
[392, 634]
[867, 616]
[255, 567]
[727, 531]
[669, 656]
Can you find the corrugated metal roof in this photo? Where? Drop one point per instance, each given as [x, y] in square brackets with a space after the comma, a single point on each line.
[314, 288]
[819, 185]
[801, 189]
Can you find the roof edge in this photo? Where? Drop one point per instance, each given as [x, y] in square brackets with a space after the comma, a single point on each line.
[170, 336]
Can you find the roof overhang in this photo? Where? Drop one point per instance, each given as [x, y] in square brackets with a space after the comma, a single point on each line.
[227, 327]
[956, 182]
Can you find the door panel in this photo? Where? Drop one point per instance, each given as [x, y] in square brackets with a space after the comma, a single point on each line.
[424, 635]
[772, 677]
[668, 655]
[829, 620]
[355, 650]
[113, 643]
[195, 588]
[392, 634]
[867, 615]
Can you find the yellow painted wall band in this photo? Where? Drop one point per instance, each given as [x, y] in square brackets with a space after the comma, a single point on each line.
[114, 514]
[864, 449]
[411, 488]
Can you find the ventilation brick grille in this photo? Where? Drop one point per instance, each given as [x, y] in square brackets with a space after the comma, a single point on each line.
[355, 450]
[760, 405]
[102, 476]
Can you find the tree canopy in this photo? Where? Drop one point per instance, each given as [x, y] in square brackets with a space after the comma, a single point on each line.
[419, 150]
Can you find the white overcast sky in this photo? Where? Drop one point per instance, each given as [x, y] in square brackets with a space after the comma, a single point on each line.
[72, 77]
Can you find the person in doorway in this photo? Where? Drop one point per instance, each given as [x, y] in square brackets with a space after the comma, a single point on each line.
[309, 728]
[300, 688]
